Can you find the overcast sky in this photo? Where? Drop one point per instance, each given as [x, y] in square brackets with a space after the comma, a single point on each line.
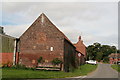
[94, 21]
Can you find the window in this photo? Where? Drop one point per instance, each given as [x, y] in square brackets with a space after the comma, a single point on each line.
[51, 48]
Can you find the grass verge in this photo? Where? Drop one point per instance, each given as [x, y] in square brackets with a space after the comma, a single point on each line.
[116, 67]
[18, 73]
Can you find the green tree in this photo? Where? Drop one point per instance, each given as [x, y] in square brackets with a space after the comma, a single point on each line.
[99, 56]
[118, 51]
[100, 52]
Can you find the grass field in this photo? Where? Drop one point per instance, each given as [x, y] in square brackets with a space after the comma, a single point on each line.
[116, 67]
[17, 73]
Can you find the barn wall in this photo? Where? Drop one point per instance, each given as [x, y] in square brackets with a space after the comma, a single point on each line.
[7, 49]
[82, 60]
[7, 44]
[7, 58]
[0, 49]
[69, 57]
[37, 42]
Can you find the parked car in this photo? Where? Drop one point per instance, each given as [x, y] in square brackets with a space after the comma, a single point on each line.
[118, 62]
[91, 62]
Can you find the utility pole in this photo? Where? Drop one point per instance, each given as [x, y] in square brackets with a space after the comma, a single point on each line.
[116, 57]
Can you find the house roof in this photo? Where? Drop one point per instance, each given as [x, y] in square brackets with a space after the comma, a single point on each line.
[80, 46]
[114, 55]
[7, 36]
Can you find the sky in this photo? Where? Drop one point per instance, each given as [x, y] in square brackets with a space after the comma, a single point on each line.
[94, 21]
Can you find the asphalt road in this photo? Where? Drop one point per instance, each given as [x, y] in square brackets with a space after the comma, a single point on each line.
[103, 72]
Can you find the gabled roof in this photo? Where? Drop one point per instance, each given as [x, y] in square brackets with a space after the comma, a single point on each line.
[114, 55]
[80, 46]
[42, 19]
[7, 36]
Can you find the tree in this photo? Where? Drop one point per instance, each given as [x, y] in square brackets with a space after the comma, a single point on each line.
[100, 52]
[92, 50]
[99, 56]
[106, 59]
[118, 51]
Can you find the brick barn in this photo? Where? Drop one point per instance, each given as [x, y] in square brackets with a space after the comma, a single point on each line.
[41, 39]
[7, 48]
[114, 57]
[44, 39]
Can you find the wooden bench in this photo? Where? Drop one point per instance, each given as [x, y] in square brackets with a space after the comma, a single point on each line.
[48, 66]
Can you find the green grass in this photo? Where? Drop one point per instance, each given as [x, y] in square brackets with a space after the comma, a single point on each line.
[116, 67]
[18, 73]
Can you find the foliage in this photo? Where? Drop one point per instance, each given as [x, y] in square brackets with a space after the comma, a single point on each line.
[15, 73]
[100, 52]
[8, 64]
[99, 56]
[106, 59]
[56, 61]
[40, 59]
[18, 66]
[118, 51]
[116, 67]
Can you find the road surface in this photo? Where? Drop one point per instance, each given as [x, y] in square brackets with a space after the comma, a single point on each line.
[103, 72]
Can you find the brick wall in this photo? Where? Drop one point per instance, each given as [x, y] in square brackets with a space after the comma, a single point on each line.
[6, 58]
[41, 39]
[113, 60]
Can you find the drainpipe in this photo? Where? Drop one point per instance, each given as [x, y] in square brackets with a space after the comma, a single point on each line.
[14, 54]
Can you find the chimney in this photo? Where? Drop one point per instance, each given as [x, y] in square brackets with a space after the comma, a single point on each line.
[1, 30]
[79, 39]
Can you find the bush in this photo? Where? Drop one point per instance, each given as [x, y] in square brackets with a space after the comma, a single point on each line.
[8, 64]
[40, 60]
[56, 61]
[18, 66]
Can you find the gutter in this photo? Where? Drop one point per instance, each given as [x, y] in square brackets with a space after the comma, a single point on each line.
[14, 54]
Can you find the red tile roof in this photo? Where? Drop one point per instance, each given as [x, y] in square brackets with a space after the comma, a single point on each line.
[80, 47]
[114, 55]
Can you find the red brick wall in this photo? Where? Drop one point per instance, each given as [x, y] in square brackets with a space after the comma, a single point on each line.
[17, 58]
[113, 60]
[38, 40]
[6, 58]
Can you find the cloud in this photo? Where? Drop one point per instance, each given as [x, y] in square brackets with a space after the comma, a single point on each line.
[96, 22]
[16, 31]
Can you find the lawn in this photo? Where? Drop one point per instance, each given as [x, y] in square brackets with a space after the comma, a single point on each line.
[17, 73]
[116, 67]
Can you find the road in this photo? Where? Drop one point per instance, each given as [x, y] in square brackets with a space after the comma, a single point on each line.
[103, 72]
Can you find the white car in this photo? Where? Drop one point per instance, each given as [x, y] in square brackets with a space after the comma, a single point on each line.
[91, 62]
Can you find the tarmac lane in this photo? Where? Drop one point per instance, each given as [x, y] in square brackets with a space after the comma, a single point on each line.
[103, 72]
